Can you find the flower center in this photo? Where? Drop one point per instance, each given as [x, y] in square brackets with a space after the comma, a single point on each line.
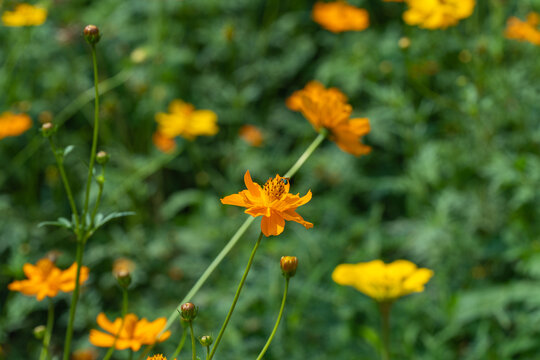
[274, 188]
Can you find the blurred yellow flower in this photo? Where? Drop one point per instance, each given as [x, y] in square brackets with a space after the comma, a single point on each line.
[156, 357]
[183, 120]
[339, 16]
[24, 15]
[272, 201]
[383, 282]
[132, 334]
[437, 14]
[163, 143]
[524, 30]
[45, 279]
[13, 124]
[328, 108]
[251, 134]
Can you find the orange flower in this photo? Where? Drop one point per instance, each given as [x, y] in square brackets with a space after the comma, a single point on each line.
[45, 279]
[251, 134]
[183, 120]
[524, 30]
[272, 201]
[133, 333]
[328, 108]
[163, 143]
[24, 15]
[156, 357]
[13, 124]
[339, 16]
[85, 354]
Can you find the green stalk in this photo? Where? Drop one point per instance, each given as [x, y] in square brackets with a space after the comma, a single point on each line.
[280, 315]
[98, 200]
[311, 148]
[384, 308]
[180, 345]
[48, 333]
[74, 300]
[193, 348]
[124, 312]
[236, 296]
[95, 137]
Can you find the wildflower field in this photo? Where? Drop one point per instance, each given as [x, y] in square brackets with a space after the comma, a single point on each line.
[297, 180]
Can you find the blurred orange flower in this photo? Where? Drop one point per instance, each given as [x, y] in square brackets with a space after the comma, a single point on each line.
[328, 108]
[132, 334]
[437, 14]
[524, 30]
[13, 124]
[339, 16]
[163, 143]
[45, 279]
[251, 134]
[383, 282]
[183, 120]
[85, 354]
[156, 357]
[272, 201]
[24, 15]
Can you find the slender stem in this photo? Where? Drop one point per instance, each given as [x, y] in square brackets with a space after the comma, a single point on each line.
[130, 354]
[95, 137]
[146, 351]
[384, 308]
[193, 348]
[98, 200]
[180, 345]
[48, 333]
[60, 164]
[124, 312]
[74, 300]
[236, 296]
[311, 148]
[280, 315]
[207, 352]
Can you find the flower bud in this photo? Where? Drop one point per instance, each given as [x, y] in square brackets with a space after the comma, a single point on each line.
[91, 34]
[206, 340]
[102, 157]
[39, 332]
[47, 129]
[100, 179]
[289, 265]
[188, 311]
[123, 277]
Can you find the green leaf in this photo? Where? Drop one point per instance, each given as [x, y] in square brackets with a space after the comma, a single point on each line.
[61, 222]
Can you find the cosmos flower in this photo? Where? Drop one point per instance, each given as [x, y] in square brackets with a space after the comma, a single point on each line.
[272, 201]
[252, 135]
[437, 14]
[339, 16]
[24, 15]
[13, 124]
[524, 30]
[183, 120]
[163, 143]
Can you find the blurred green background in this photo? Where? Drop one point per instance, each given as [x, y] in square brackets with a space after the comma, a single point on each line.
[452, 183]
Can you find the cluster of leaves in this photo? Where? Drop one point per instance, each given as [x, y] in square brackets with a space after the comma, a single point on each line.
[451, 184]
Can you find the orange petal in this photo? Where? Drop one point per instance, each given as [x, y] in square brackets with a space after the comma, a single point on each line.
[106, 325]
[272, 225]
[101, 339]
[253, 188]
[235, 199]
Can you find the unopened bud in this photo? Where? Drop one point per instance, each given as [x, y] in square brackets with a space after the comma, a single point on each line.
[91, 34]
[206, 340]
[102, 157]
[47, 129]
[124, 278]
[100, 180]
[289, 265]
[39, 332]
[188, 311]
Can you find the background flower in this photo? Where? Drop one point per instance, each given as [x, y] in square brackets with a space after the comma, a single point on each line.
[24, 15]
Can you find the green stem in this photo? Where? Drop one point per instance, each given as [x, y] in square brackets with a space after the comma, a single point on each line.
[48, 333]
[263, 351]
[146, 351]
[60, 164]
[98, 200]
[193, 348]
[124, 312]
[236, 296]
[74, 300]
[95, 137]
[311, 148]
[208, 352]
[180, 345]
[384, 308]
[130, 354]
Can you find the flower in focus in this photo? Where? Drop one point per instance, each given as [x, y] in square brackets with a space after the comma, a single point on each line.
[437, 14]
[13, 124]
[383, 282]
[524, 30]
[183, 120]
[339, 16]
[24, 15]
[163, 143]
[328, 108]
[45, 279]
[132, 333]
[251, 134]
[272, 201]
[156, 357]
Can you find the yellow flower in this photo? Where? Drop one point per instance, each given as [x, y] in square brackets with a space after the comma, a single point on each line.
[383, 282]
[328, 108]
[183, 120]
[24, 15]
[45, 279]
[132, 334]
[13, 124]
[437, 14]
[272, 201]
[524, 30]
[339, 16]
[156, 357]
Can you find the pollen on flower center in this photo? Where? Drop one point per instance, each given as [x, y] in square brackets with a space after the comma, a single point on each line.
[274, 188]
